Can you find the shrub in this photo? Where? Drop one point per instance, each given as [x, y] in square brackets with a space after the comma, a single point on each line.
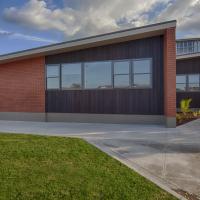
[185, 105]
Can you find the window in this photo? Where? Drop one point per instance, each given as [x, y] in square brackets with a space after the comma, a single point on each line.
[121, 74]
[188, 82]
[179, 48]
[141, 73]
[193, 82]
[53, 77]
[181, 82]
[97, 75]
[185, 44]
[127, 73]
[190, 46]
[71, 76]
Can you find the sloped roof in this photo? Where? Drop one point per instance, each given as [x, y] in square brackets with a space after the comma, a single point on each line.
[94, 41]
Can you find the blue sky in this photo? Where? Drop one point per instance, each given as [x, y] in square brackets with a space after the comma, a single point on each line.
[14, 37]
[26, 24]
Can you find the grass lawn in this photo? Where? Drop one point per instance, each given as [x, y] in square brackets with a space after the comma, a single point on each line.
[41, 168]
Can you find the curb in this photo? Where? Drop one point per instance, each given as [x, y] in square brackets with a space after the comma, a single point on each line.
[159, 182]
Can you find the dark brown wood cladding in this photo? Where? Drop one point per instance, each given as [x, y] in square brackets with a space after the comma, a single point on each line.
[117, 101]
[112, 101]
[189, 66]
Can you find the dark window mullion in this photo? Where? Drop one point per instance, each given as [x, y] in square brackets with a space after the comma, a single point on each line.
[82, 76]
[199, 81]
[60, 76]
[112, 75]
[52, 76]
[46, 77]
[131, 72]
[141, 73]
[187, 82]
[120, 74]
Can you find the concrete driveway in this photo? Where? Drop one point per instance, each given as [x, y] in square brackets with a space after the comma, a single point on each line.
[168, 157]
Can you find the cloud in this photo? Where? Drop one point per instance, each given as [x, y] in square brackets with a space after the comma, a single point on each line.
[187, 14]
[14, 35]
[5, 33]
[80, 18]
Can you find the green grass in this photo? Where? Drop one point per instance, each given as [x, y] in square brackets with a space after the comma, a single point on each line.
[41, 168]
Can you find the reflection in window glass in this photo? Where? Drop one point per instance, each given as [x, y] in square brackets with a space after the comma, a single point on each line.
[180, 87]
[142, 66]
[193, 78]
[97, 75]
[181, 82]
[101, 74]
[142, 73]
[53, 83]
[121, 81]
[53, 78]
[121, 67]
[71, 76]
[142, 80]
[181, 79]
[121, 74]
[193, 87]
[193, 82]
[53, 71]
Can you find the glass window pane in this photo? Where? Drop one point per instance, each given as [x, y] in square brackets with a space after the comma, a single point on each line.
[193, 87]
[142, 66]
[195, 46]
[181, 79]
[198, 46]
[98, 75]
[121, 67]
[180, 87]
[121, 81]
[194, 78]
[53, 83]
[142, 80]
[71, 76]
[53, 70]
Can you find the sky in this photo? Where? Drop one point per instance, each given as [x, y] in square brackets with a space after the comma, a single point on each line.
[26, 24]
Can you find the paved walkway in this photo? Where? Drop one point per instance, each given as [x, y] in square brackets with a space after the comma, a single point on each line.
[166, 156]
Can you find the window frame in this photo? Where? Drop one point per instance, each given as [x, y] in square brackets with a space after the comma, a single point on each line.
[131, 61]
[129, 74]
[187, 83]
[186, 80]
[151, 74]
[83, 75]
[46, 77]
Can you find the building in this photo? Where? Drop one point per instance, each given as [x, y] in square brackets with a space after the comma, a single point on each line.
[188, 71]
[127, 76]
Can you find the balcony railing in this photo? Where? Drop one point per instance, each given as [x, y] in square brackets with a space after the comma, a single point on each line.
[187, 47]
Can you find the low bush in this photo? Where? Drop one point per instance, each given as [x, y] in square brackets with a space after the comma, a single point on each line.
[186, 114]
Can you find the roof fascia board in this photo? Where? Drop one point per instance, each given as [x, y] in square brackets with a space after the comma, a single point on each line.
[187, 56]
[187, 39]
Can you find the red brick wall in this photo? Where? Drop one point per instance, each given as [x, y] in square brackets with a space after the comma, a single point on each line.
[170, 72]
[22, 86]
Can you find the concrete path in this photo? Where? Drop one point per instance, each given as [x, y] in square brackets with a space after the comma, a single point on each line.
[168, 157]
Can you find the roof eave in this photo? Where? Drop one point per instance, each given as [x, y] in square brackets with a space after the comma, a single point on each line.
[100, 40]
[187, 56]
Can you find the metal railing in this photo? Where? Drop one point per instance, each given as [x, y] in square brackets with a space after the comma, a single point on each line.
[187, 47]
